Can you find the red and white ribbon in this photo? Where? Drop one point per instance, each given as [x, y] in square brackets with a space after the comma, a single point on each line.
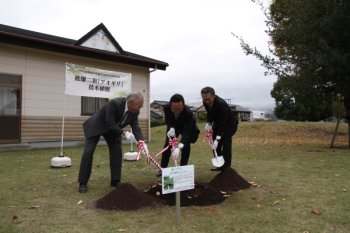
[150, 158]
[209, 134]
[145, 152]
[172, 143]
[175, 160]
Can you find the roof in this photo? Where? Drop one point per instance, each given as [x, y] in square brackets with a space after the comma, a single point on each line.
[22, 37]
[156, 115]
[199, 107]
[160, 102]
[239, 108]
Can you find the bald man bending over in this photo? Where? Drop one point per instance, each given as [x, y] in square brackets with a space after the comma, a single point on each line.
[109, 122]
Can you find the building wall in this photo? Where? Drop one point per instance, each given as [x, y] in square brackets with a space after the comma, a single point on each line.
[257, 115]
[49, 128]
[43, 82]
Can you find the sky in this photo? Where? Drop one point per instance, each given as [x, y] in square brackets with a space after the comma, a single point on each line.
[192, 36]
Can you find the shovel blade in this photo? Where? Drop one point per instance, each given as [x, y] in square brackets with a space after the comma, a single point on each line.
[218, 161]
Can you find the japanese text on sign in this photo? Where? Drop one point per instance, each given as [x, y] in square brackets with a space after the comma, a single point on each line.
[87, 81]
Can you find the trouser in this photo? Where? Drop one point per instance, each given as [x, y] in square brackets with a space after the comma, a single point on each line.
[225, 148]
[185, 154]
[115, 156]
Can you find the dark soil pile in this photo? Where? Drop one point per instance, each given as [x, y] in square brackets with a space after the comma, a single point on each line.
[125, 197]
[228, 180]
[199, 196]
[215, 192]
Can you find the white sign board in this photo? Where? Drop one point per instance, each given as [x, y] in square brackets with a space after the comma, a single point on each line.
[88, 81]
[175, 179]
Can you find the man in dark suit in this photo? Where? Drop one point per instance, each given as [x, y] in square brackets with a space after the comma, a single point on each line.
[223, 123]
[179, 120]
[109, 122]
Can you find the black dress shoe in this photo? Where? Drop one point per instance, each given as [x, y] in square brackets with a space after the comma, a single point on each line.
[82, 188]
[115, 183]
[159, 173]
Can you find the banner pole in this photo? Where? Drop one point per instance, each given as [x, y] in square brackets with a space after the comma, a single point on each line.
[61, 160]
[62, 132]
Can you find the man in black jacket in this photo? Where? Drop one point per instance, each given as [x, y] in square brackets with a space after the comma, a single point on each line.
[109, 122]
[223, 123]
[179, 120]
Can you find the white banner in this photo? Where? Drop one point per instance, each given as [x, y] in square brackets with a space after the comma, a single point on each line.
[92, 82]
[175, 179]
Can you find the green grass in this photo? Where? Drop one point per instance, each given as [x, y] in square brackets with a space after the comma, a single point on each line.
[295, 170]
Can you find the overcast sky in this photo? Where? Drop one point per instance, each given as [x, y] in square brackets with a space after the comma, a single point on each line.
[192, 36]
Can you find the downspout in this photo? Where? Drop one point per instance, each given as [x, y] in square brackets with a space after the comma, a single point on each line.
[149, 98]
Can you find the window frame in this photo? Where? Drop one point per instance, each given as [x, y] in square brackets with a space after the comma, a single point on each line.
[95, 103]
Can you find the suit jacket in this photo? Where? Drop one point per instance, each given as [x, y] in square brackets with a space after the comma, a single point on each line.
[184, 124]
[221, 117]
[110, 117]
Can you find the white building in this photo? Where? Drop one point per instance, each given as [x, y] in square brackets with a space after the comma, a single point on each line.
[32, 82]
[257, 115]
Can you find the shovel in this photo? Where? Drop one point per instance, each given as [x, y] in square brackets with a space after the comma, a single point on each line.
[218, 161]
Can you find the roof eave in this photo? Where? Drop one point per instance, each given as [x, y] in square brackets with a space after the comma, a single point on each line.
[15, 39]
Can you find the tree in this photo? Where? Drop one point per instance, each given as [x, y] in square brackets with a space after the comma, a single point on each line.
[310, 51]
[296, 101]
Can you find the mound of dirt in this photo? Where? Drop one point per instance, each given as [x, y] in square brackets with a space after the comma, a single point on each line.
[125, 197]
[228, 180]
[214, 192]
[199, 196]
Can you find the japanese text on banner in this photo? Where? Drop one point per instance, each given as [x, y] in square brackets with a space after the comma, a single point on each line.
[92, 82]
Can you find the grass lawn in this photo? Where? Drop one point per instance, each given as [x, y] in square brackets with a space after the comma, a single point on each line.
[302, 186]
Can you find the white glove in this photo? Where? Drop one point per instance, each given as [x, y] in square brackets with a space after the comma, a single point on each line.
[171, 132]
[208, 127]
[176, 152]
[216, 142]
[129, 136]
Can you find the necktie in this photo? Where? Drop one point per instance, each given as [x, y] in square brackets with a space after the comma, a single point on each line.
[124, 118]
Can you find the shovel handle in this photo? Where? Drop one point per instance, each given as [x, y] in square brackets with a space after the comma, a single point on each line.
[210, 142]
[215, 153]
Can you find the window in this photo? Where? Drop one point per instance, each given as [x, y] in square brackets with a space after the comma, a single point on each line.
[9, 97]
[90, 105]
[10, 94]
[10, 108]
